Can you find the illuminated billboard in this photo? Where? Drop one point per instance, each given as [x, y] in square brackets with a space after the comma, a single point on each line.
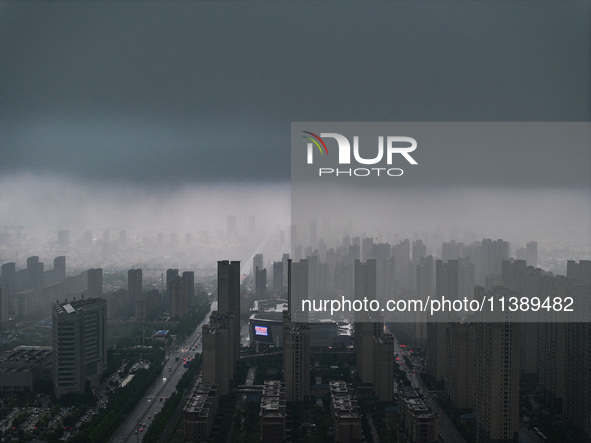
[261, 330]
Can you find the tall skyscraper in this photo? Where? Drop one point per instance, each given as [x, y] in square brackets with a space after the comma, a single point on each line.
[219, 362]
[454, 280]
[493, 253]
[4, 296]
[257, 263]
[368, 328]
[496, 380]
[278, 277]
[59, 269]
[228, 287]
[260, 284]
[532, 253]
[9, 275]
[35, 276]
[459, 368]
[383, 367]
[296, 334]
[179, 297]
[435, 352]
[95, 283]
[297, 289]
[229, 300]
[401, 254]
[284, 261]
[296, 361]
[134, 284]
[171, 274]
[79, 344]
[365, 280]
[452, 251]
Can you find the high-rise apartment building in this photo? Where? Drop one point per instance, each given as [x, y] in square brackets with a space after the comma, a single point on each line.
[297, 284]
[383, 367]
[218, 358]
[496, 379]
[221, 336]
[296, 335]
[257, 263]
[228, 286]
[95, 283]
[401, 254]
[278, 277]
[4, 297]
[371, 344]
[179, 297]
[296, 361]
[532, 253]
[460, 349]
[260, 284]
[79, 344]
[171, 274]
[59, 269]
[229, 297]
[9, 276]
[134, 284]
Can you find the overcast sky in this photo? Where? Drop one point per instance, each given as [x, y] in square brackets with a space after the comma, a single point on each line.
[191, 92]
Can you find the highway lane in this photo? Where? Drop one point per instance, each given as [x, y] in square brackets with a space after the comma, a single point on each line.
[134, 427]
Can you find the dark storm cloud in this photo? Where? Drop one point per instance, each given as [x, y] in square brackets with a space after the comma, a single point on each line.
[191, 92]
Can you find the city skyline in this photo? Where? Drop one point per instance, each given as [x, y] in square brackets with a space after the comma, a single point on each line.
[150, 152]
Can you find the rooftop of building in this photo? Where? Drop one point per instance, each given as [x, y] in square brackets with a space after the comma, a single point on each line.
[76, 304]
[26, 356]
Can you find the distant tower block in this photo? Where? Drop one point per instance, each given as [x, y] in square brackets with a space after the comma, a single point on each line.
[532, 254]
[229, 298]
[95, 283]
[277, 277]
[179, 299]
[257, 263]
[261, 284]
[134, 284]
[59, 268]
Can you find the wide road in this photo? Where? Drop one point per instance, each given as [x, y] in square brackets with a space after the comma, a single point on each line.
[132, 430]
[446, 429]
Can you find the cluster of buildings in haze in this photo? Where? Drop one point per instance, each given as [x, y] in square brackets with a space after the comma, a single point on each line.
[479, 366]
